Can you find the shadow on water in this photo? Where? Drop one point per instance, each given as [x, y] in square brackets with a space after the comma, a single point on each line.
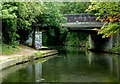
[73, 64]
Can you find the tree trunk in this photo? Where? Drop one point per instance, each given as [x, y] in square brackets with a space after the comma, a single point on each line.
[33, 41]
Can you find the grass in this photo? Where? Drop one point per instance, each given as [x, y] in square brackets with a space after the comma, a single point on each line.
[9, 49]
[38, 54]
[23, 56]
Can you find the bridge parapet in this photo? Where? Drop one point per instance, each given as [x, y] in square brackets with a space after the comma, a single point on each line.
[82, 21]
[81, 17]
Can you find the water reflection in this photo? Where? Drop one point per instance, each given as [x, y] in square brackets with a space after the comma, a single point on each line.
[28, 72]
[108, 61]
[71, 65]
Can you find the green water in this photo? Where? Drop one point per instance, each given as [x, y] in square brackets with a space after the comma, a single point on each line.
[73, 64]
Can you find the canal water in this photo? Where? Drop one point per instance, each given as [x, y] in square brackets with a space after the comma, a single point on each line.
[73, 64]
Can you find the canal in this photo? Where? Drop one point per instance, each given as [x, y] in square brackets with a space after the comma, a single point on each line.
[73, 64]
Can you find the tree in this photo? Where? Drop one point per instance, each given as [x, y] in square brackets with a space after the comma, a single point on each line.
[9, 22]
[111, 18]
[74, 7]
[19, 16]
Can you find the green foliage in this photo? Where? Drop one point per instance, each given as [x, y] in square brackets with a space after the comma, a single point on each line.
[115, 49]
[19, 16]
[38, 54]
[110, 29]
[54, 15]
[105, 8]
[112, 16]
[9, 22]
[8, 10]
[74, 7]
[9, 49]
[76, 39]
[28, 12]
[87, 45]
[9, 31]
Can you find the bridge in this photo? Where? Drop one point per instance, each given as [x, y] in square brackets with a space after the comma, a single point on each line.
[79, 22]
[87, 23]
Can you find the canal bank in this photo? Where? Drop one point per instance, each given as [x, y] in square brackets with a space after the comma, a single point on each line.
[73, 64]
[27, 54]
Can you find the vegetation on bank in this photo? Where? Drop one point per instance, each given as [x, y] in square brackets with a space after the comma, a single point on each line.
[9, 49]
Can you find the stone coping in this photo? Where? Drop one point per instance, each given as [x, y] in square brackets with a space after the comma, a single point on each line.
[26, 58]
[87, 23]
